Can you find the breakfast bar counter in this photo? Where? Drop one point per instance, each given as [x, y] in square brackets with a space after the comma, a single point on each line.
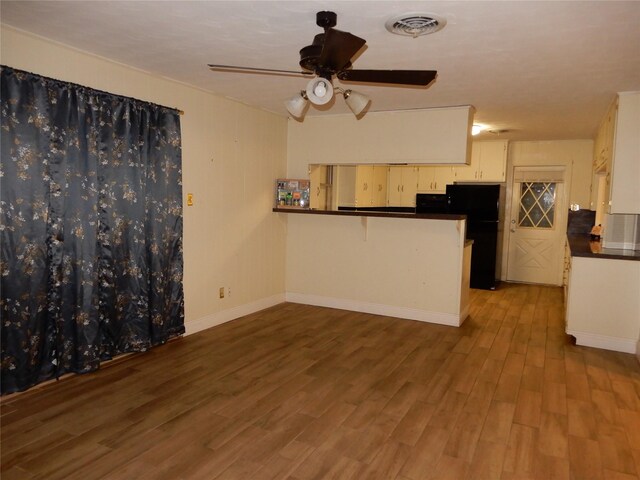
[371, 213]
[388, 263]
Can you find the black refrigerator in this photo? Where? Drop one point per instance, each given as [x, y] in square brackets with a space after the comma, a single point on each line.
[481, 205]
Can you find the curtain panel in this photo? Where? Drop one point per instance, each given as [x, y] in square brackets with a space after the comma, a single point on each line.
[91, 257]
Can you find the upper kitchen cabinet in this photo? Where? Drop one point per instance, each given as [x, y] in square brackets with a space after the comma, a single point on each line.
[624, 191]
[488, 163]
[603, 144]
[437, 135]
[403, 186]
[380, 182]
[434, 179]
[318, 187]
[371, 186]
[358, 186]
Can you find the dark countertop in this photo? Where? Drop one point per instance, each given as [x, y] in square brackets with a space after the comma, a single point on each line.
[582, 246]
[349, 213]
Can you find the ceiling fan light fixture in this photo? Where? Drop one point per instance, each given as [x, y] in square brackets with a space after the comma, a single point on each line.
[319, 91]
[357, 102]
[297, 104]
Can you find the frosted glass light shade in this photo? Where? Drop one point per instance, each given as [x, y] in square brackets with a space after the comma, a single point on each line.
[357, 102]
[297, 104]
[319, 91]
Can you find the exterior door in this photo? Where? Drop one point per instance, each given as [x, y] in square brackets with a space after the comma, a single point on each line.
[537, 228]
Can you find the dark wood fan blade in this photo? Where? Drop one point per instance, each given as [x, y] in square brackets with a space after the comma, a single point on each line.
[234, 68]
[395, 77]
[338, 49]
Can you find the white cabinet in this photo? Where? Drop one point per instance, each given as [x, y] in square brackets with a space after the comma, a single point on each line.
[603, 309]
[346, 185]
[318, 187]
[437, 135]
[403, 186]
[362, 185]
[603, 144]
[434, 179]
[379, 194]
[488, 163]
[371, 186]
[624, 192]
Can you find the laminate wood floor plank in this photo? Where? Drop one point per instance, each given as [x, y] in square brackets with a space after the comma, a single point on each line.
[301, 392]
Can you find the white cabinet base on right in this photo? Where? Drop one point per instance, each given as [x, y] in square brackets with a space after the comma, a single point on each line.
[603, 303]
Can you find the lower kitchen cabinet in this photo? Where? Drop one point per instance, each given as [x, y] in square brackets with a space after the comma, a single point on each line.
[603, 305]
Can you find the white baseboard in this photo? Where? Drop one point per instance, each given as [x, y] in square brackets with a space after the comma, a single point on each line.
[449, 319]
[605, 342]
[224, 316]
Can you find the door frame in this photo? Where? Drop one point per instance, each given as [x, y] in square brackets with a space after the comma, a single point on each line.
[567, 167]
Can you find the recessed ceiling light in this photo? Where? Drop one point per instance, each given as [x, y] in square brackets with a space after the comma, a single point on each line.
[477, 128]
[415, 24]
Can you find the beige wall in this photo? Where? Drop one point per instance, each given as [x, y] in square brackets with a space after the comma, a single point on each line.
[231, 155]
[575, 155]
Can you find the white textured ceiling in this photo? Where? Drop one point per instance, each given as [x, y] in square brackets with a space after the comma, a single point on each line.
[541, 69]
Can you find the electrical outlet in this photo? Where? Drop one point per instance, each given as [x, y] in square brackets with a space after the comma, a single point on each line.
[221, 292]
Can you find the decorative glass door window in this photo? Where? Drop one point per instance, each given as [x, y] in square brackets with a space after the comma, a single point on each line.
[537, 204]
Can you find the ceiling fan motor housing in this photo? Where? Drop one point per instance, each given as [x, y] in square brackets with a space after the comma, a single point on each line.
[326, 19]
[310, 54]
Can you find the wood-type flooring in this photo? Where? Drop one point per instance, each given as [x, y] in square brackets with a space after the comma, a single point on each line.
[300, 392]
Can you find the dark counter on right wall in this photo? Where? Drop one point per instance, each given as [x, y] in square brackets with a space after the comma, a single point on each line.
[581, 245]
[579, 224]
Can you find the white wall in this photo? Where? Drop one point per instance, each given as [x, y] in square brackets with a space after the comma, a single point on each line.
[231, 155]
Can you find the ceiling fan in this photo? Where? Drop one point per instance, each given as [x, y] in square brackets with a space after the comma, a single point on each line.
[330, 55]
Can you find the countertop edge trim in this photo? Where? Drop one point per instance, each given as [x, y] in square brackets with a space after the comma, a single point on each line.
[346, 213]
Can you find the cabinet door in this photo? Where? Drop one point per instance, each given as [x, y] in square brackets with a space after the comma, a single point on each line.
[346, 181]
[364, 185]
[493, 161]
[318, 187]
[394, 192]
[434, 179]
[379, 193]
[469, 173]
[426, 177]
[625, 167]
[442, 177]
[409, 186]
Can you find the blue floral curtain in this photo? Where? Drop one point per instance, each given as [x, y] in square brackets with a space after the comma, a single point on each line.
[91, 227]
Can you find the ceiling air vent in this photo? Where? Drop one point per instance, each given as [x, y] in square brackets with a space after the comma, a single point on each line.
[415, 24]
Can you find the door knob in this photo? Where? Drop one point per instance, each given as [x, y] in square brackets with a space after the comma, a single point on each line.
[513, 225]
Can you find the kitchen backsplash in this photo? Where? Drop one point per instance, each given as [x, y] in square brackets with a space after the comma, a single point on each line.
[580, 221]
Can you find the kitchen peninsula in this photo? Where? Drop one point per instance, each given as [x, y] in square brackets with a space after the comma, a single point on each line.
[603, 306]
[395, 264]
